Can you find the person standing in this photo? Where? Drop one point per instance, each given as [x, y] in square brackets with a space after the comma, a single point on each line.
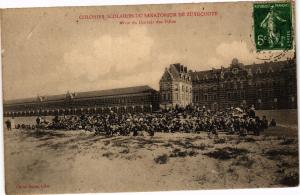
[8, 124]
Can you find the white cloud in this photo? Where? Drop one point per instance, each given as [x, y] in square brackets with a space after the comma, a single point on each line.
[225, 52]
[96, 58]
[236, 49]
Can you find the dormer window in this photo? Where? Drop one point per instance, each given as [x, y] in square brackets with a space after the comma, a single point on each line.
[258, 71]
[40, 98]
[249, 72]
[270, 70]
[235, 70]
[222, 74]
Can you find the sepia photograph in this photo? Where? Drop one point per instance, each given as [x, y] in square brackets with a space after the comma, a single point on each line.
[139, 98]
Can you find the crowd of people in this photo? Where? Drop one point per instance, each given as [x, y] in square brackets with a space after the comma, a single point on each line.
[191, 119]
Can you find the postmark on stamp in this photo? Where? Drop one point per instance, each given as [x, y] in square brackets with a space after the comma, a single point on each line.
[273, 26]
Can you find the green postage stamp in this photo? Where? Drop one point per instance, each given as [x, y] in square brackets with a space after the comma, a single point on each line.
[273, 26]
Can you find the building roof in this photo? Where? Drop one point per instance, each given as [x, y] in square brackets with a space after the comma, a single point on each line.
[255, 68]
[19, 101]
[88, 94]
[174, 71]
[177, 72]
[111, 92]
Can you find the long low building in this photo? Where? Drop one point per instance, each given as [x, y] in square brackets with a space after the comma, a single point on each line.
[130, 99]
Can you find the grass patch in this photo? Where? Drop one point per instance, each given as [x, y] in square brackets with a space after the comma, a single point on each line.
[74, 147]
[202, 179]
[178, 153]
[226, 153]
[274, 154]
[249, 139]
[244, 161]
[108, 155]
[203, 146]
[189, 145]
[132, 157]
[167, 145]
[290, 180]
[287, 141]
[125, 151]
[161, 159]
[219, 141]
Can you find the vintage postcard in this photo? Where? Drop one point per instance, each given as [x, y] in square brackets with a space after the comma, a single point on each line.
[149, 97]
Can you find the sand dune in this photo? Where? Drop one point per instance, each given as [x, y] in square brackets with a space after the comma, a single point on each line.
[77, 161]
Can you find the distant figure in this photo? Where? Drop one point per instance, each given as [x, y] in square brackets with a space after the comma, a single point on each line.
[252, 112]
[38, 120]
[265, 122]
[258, 126]
[8, 124]
[135, 130]
[273, 123]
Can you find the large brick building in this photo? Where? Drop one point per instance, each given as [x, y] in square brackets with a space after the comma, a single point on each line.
[270, 85]
[130, 99]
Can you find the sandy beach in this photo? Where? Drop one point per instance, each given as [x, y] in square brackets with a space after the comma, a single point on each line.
[48, 161]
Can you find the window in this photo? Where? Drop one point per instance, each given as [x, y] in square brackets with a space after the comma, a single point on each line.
[235, 94]
[259, 93]
[292, 98]
[163, 97]
[176, 87]
[169, 96]
[228, 95]
[241, 85]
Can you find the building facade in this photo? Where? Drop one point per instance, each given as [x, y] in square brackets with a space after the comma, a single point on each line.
[270, 85]
[175, 86]
[131, 99]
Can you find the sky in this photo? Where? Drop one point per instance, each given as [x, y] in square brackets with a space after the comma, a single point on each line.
[47, 51]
